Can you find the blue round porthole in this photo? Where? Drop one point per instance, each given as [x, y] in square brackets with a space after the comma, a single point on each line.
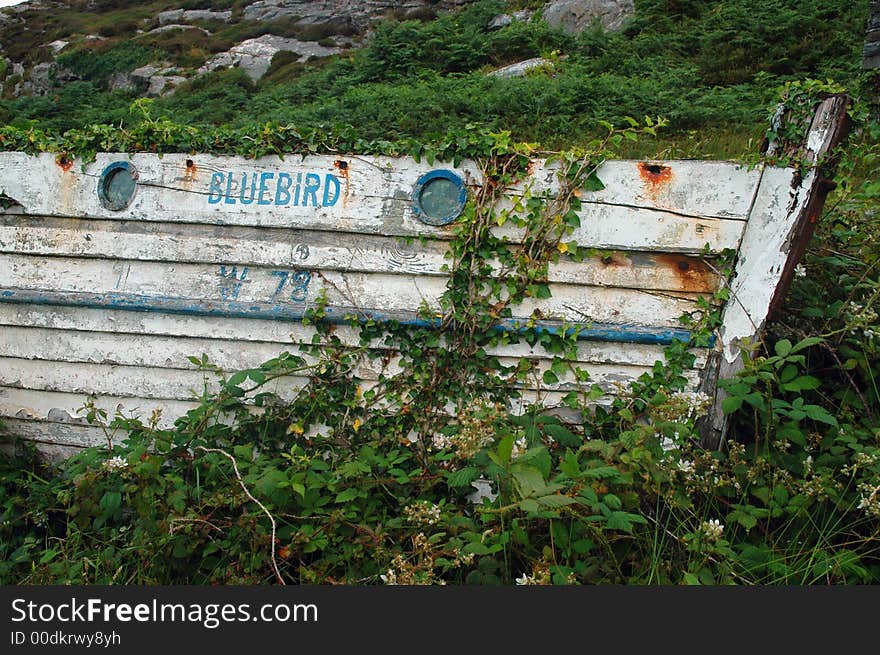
[117, 185]
[439, 197]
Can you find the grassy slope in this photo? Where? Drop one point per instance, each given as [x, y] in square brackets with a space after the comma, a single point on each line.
[709, 68]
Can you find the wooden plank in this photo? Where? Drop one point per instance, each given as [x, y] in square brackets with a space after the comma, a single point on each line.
[317, 250]
[191, 288]
[156, 383]
[68, 407]
[61, 440]
[708, 189]
[372, 197]
[44, 331]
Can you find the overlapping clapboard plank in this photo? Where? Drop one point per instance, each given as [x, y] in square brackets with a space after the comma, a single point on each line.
[58, 417]
[185, 383]
[191, 287]
[66, 407]
[373, 196]
[45, 331]
[61, 433]
[314, 250]
[709, 189]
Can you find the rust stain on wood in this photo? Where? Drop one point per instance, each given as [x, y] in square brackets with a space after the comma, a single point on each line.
[342, 166]
[64, 162]
[693, 275]
[655, 177]
[192, 171]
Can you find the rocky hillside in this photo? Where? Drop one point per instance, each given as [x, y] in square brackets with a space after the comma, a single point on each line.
[150, 48]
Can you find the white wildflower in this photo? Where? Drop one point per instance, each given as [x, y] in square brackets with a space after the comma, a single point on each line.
[422, 512]
[525, 580]
[686, 466]
[713, 529]
[870, 499]
[800, 270]
[389, 578]
[441, 441]
[115, 463]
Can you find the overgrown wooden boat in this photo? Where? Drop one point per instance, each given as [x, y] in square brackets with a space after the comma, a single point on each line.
[113, 275]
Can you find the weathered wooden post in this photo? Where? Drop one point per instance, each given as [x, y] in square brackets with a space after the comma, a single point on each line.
[784, 215]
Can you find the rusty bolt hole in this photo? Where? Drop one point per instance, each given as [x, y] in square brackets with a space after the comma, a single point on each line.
[341, 164]
[683, 266]
[655, 169]
[607, 259]
[190, 163]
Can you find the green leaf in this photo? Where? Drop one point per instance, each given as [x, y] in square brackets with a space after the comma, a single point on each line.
[237, 379]
[602, 472]
[556, 500]
[593, 183]
[563, 435]
[347, 495]
[462, 477]
[782, 347]
[572, 219]
[818, 413]
[806, 343]
[550, 377]
[802, 383]
[111, 501]
[612, 501]
[623, 521]
[529, 505]
[504, 449]
[529, 480]
[744, 519]
[731, 404]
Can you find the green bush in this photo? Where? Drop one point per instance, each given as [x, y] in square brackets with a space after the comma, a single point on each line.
[99, 62]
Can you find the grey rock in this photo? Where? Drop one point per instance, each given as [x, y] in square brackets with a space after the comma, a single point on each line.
[177, 26]
[57, 46]
[503, 20]
[121, 82]
[39, 82]
[151, 80]
[521, 68]
[163, 85]
[574, 16]
[255, 55]
[358, 14]
[189, 15]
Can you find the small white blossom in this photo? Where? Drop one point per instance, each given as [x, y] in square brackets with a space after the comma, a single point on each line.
[800, 270]
[525, 580]
[713, 529]
[422, 512]
[389, 578]
[115, 463]
[686, 466]
[441, 441]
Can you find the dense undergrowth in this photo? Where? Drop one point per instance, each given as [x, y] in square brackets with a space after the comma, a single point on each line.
[704, 66]
[427, 477]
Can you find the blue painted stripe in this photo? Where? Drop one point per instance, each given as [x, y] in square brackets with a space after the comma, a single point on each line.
[337, 315]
